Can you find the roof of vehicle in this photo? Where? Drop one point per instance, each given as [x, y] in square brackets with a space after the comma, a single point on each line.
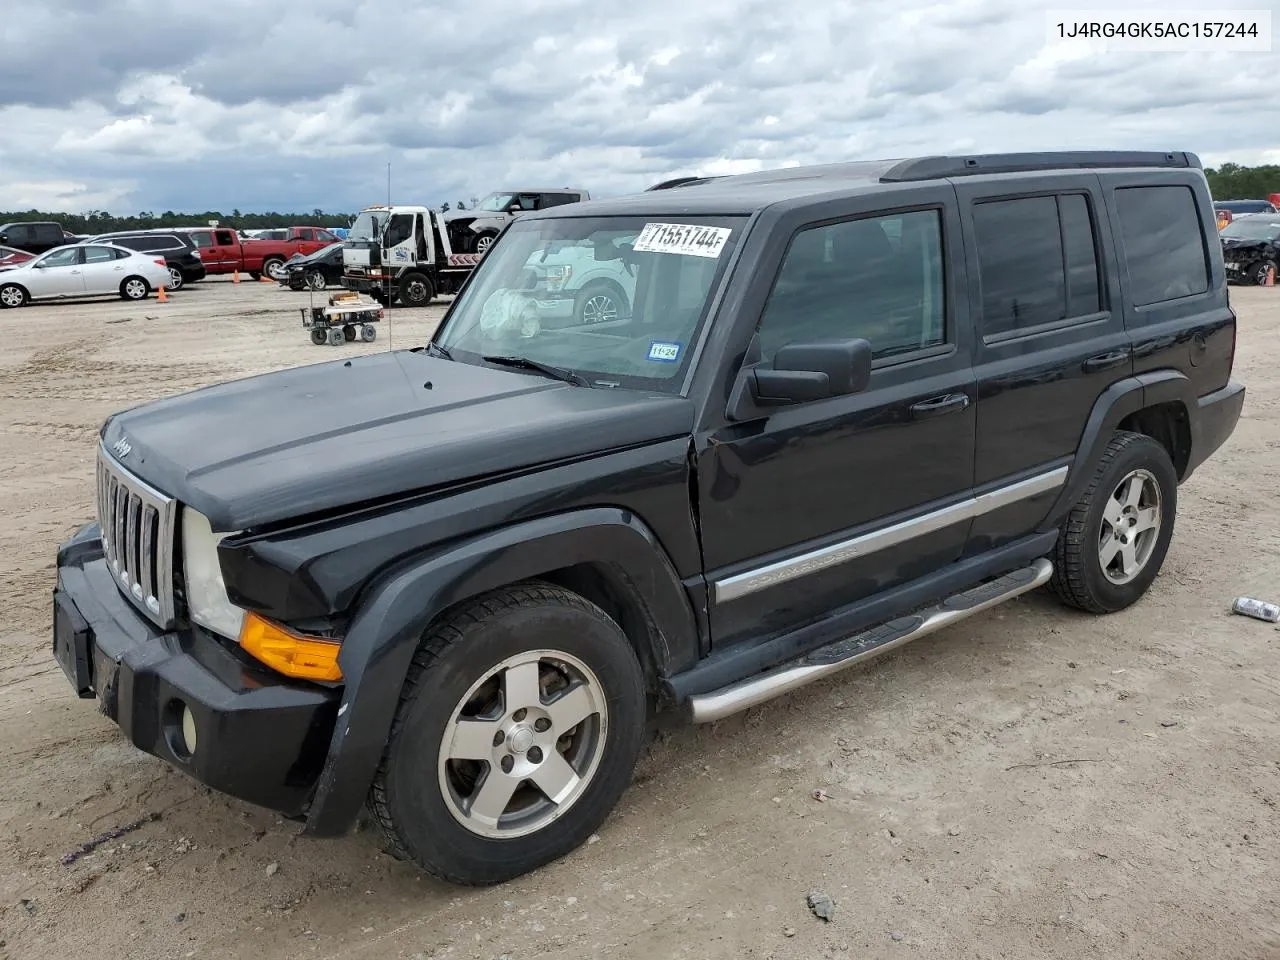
[540, 190]
[750, 192]
[1225, 203]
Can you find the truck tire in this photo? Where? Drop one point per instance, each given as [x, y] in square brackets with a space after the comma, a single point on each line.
[518, 728]
[415, 290]
[483, 241]
[1115, 538]
[273, 267]
[599, 302]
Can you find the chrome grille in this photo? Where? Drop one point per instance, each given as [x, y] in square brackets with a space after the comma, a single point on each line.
[137, 538]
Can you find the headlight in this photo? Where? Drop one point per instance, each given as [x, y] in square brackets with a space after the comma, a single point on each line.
[206, 593]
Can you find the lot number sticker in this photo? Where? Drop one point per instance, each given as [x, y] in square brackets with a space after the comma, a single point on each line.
[687, 239]
[664, 352]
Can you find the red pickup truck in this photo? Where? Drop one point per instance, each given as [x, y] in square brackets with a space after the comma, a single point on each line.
[223, 251]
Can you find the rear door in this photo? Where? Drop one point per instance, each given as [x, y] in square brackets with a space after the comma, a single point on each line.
[1050, 334]
[102, 270]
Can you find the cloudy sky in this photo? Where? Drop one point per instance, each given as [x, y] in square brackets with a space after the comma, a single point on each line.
[130, 105]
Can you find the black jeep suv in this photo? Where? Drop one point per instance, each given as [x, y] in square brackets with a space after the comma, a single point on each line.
[846, 406]
[181, 255]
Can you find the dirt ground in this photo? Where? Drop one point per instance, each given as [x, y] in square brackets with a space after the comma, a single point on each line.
[1031, 783]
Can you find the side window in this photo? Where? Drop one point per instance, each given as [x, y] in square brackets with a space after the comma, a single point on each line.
[98, 254]
[529, 201]
[399, 230]
[850, 279]
[141, 244]
[62, 258]
[326, 237]
[1037, 262]
[225, 238]
[19, 233]
[1163, 244]
[48, 233]
[202, 238]
[306, 234]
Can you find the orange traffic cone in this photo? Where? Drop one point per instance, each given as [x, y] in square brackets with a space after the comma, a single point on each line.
[1271, 277]
[161, 296]
[235, 275]
[265, 279]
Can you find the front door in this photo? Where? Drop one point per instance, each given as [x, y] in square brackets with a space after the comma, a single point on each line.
[819, 505]
[58, 274]
[399, 248]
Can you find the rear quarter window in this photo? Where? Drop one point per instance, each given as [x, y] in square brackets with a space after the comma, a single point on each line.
[1163, 243]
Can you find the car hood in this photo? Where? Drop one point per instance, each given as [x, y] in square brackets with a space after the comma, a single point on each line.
[1238, 246]
[284, 445]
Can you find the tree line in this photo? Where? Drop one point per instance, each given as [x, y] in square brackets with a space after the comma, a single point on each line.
[1231, 181]
[99, 221]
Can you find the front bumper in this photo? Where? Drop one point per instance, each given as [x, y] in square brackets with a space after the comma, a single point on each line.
[259, 737]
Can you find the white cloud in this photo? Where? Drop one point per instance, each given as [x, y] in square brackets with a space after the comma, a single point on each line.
[294, 107]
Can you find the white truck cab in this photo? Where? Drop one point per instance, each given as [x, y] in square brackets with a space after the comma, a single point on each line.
[402, 254]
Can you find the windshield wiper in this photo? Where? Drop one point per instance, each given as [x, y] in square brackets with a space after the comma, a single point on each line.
[546, 369]
[442, 351]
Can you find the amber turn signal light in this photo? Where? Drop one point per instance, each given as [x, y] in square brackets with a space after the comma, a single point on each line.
[307, 658]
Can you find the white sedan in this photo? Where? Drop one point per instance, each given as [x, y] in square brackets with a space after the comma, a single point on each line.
[83, 270]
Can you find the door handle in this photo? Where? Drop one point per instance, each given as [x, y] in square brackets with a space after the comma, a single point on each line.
[939, 406]
[1105, 361]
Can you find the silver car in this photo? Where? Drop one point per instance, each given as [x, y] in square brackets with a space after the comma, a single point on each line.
[83, 270]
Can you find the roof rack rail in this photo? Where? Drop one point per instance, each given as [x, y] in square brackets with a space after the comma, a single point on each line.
[935, 168]
[679, 182]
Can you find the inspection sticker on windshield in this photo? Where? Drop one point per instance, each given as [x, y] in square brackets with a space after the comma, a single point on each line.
[664, 352]
[688, 239]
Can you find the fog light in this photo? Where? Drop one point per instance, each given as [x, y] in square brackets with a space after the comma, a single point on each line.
[188, 730]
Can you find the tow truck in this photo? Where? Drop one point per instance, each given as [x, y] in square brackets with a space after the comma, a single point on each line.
[403, 254]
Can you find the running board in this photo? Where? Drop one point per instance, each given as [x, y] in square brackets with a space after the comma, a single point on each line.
[834, 657]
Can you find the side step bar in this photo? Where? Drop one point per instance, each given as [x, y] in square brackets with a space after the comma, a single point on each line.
[834, 657]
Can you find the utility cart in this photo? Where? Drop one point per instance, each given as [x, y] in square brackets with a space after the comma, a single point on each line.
[348, 316]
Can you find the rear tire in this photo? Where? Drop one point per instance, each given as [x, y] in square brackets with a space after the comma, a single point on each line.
[1115, 538]
[134, 288]
[274, 268]
[416, 290]
[518, 728]
[176, 280]
[254, 274]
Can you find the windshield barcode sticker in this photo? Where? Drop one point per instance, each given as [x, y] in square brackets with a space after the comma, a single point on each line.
[688, 239]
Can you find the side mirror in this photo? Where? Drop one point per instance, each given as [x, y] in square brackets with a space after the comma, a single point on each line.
[803, 372]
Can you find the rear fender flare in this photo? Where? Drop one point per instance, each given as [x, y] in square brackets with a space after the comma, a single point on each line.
[1122, 398]
[402, 603]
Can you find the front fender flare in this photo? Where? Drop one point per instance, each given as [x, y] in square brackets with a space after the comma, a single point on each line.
[398, 608]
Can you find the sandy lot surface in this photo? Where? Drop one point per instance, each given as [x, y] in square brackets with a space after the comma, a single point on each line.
[1032, 783]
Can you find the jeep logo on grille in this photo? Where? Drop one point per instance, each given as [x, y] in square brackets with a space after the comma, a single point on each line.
[122, 448]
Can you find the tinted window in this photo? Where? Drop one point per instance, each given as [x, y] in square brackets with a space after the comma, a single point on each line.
[1036, 262]
[399, 230]
[98, 254]
[144, 244]
[225, 237]
[48, 233]
[558, 199]
[19, 233]
[850, 279]
[1163, 244]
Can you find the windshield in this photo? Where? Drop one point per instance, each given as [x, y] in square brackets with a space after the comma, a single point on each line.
[496, 202]
[1264, 228]
[618, 300]
[368, 225]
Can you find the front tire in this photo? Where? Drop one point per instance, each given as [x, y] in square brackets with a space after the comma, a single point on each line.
[12, 295]
[315, 280]
[1258, 272]
[518, 728]
[483, 242]
[134, 288]
[1115, 538]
